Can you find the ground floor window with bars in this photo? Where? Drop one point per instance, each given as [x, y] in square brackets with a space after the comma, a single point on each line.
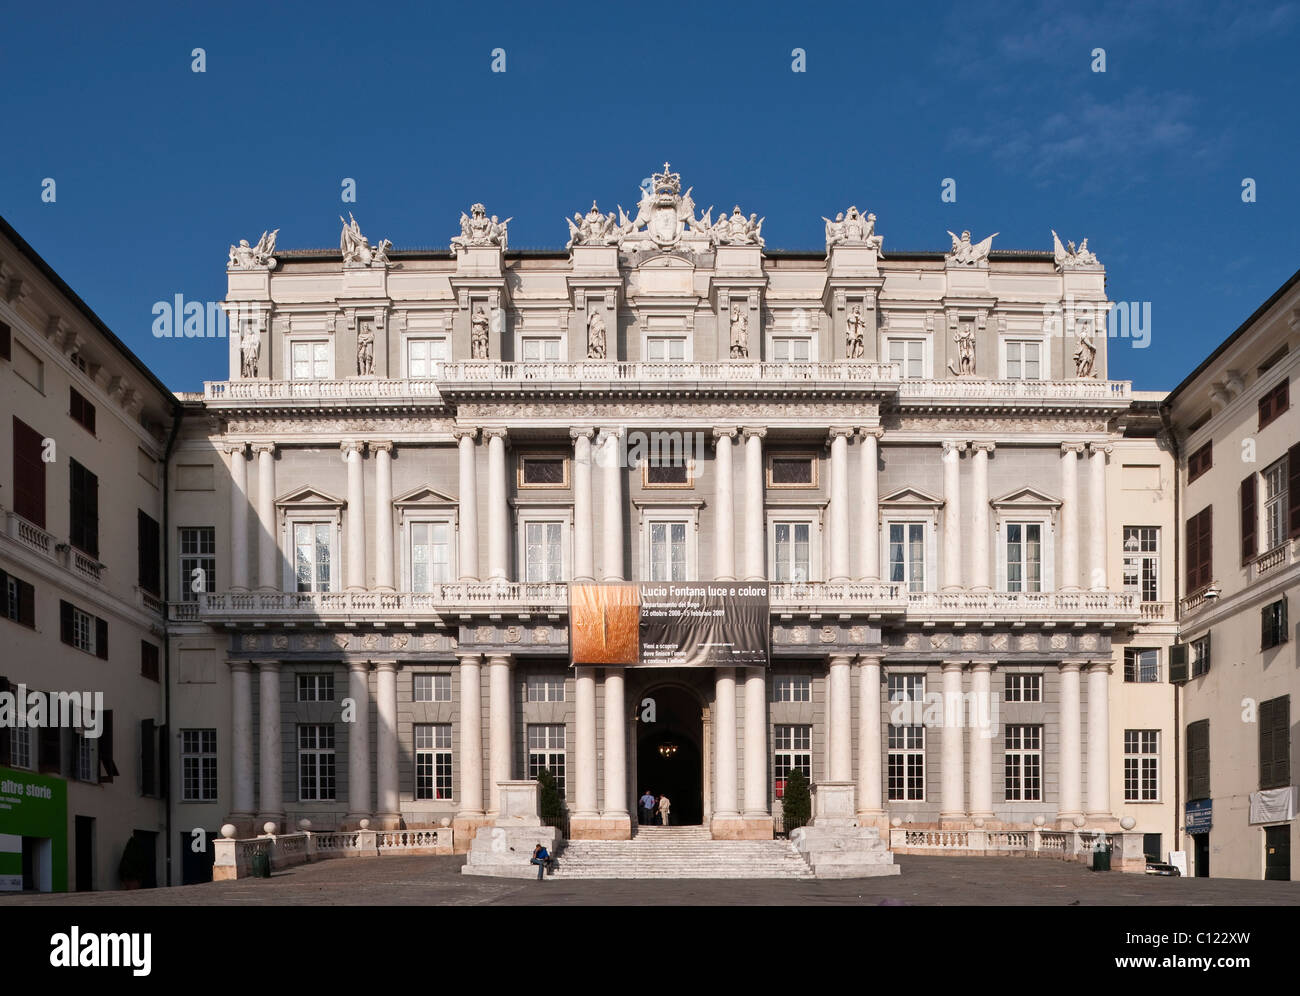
[316, 762]
[199, 765]
[792, 751]
[1023, 768]
[433, 761]
[546, 750]
[1141, 765]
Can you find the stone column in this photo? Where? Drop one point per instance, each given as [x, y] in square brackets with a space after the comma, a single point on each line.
[238, 519]
[501, 707]
[952, 805]
[869, 504]
[1070, 515]
[356, 551]
[269, 577]
[384, 575]
[756, 782]
[839, 495]
[1070, 805]
[467, 533]
[586, 805]
[389, 798]
[840, 714]
[979, 499]
[615, 812]
[1097, 517]
[952, 580]
[471, 742]
[725, 805]
[241, 740]
[724, 507]
[611, 470]
[271, 801]
[869, 769]
[1098, 801]
[755, 528]
[359, 743]
[584, 522]
[498, 507]
[981, 743]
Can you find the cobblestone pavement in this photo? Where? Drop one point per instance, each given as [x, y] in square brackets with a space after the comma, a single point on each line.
[925, 881]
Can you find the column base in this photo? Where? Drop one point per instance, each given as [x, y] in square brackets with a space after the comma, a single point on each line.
[747, 827]
[597, 827]
[876, 818]
[463, 829]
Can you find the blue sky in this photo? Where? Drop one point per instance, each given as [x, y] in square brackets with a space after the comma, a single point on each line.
[158, 169]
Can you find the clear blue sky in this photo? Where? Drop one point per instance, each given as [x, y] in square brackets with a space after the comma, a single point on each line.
[159, 169]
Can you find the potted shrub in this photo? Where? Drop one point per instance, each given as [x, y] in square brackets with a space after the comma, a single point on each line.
[550, 803]
[796, 803]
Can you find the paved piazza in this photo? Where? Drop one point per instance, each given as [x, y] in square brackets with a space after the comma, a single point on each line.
[925, 881]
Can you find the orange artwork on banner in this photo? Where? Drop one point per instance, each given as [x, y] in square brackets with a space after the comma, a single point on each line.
[605, 620]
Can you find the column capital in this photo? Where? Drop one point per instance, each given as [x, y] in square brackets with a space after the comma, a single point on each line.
[874, 431]
[837, 431]
[230, 449]
[982, 446]
[754, 432]
[1100, 449]
[839, 659]
[469, 432]
[359, 666]
[496, 432]
[242, 666]
[388, 666]
[1101, 666]
[953, 665]
[1074, 666]
[983, 665]
[953, 446]
[730, 431]
[381, 445]
[867, 660]
[1075, 448]
[268, 666]
[348, 446]
[581, 432]
[499, 659]
[470, 659]
[260, 448]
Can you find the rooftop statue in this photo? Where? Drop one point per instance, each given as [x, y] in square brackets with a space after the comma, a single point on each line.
[356, 248]
[662, 216]
[477, 230]
[850, 228]
[246, 257]
[595, 229]
[1070, 258]
[967, 253]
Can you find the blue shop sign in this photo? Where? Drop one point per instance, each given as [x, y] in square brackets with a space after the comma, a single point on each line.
[1199, 816]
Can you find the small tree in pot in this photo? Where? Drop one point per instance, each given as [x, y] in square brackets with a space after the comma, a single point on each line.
[796, 803]
[550, 803]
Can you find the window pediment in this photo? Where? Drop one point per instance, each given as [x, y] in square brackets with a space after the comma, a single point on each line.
[911, 498]
[424, 497]
[308, 498]
[1027, 498]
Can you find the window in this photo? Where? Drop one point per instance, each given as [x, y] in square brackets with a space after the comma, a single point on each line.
[1142, 561]
[1274, 403]
[667, 462]
[84, 758]
[149, 660]
[198, 562]
[538, 349]
[81, 410]
[906, 764]
[792, 751]
[433, 760]
[791, 349]
[311, 542]
[1198, 760]
[431, 687]
[792, 551]
[83, 512]
[1023, 688]
[791, 470]
[1273, 624]
[1024, 359]
[665, 349]
[29, 474]
[19, 600]
[1275, 743]
[83, 631]
[545, 688]
[546, 751]
[543, 471]
[543, 551]
[1023, 764]
[1201, 656]
[1141, 765]
[1200, 461]
[1200, 556]
[315, 688]
[6, 341]
[430, 554]
[149, 554]
[667, 552]
[1141, 665]
[311, 360]
[1024, 556]
[424, 357]
[909, 354]
[316, 768]
[907, 554]
[198, 765]
[20, 747]
[1275, 505]
[792, 688]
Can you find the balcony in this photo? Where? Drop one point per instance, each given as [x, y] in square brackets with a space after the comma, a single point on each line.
[1206, 594]
[34, 538]
[871, 598]
[321, 393]
[985, 394]
[350, 608]
[1271, 561]
[1019, 607]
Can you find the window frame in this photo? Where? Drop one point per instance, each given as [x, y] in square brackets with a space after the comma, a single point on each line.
[792, 749]
[1134, 664]
[549, 750]
[811, 456]
[310, 515]
[927, 552]
[320, 754]
[189, 562]
[1004, 361]
[315, 683]
[562, 516]
[905, 760]
[438, 682]
[409, 524]
[550, 687]
[1141, 766]
[206, 765]
[685, 515]
[927, 353]
[293, 342]
[566, 480]
[794, 518]
[1142, 557]
[796, 688]
[438, 756]
[1024, 683]
[1027, 773]
[425, 338]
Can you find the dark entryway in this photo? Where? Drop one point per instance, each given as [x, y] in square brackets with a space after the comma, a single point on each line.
[1201, 855]
[1277, 853]
[196, 867]
[148, 840]
[669, 753]
[84, 829]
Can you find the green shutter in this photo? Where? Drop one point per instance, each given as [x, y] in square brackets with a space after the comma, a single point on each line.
[1178, 663]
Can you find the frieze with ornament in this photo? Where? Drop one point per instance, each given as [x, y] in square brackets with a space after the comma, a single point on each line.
[317, 426]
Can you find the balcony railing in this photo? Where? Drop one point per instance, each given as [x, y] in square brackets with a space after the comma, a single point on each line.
[478, 597]
[630, 372]
[983, 389]
[31, 536]
[1090, 606]
[1198, 598]
[320, 390]
[1271, 560]
[847, 596]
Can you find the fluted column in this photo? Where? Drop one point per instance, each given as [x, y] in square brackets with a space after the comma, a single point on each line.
[498, 508]
[238, 519]
[1097, 517]
[724, 507]
[839, 438]
[981, 742]
[869, 796]
[611, 471]
[467, 533]
[755, 743]
[241, 738]
[271, 801]
[471, 738]
[755, 529]
[386, 743]
[384, 574]
[725, 804]
[268, 546]
[979, 499]
[1070, 804]
[952, 579]
[584, 522]
[586, 804]
[840, 708]
[356, 552]
[1099, 741]
[615, 748]
[359, 742]
[1070, 515]
[869, 504]
[952, 803]
[501, 704]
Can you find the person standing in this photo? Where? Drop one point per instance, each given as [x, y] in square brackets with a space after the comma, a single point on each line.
[646, 809]
[664, 805]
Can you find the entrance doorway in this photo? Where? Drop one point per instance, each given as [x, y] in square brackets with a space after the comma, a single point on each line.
[84, 849]
[669, 752]
[1201, 855]
[1277, 853]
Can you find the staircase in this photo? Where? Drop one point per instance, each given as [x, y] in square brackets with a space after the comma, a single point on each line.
[680, 852]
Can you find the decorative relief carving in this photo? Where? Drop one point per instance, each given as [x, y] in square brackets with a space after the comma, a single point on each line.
[1059, 641]
[398, 641]
[970, 641]
[998, 641]
[1088, 641]
[940, 641]
[828, 634]
[341, 640]
[279, 642]
[1027, 641]
[250, 642]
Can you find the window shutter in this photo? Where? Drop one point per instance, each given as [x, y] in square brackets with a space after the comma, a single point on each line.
[26, 604]
[1249, 518]
[1266, 739]
[1208, 648]
[5, 341]
[106, 765]
[5, 739]
[148, 548]
[65, 622]
[1293, 491]
[29, 474]
[92, 514]
[1265, 627]
[1265, 409]
[148, 758]
[101, 638]
[163, 746]
[49, 749]
[1198, 760]
[1178, 663]
[1206, 545]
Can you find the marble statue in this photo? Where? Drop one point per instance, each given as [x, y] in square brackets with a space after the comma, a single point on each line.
[477, 229]
[967, 253]
[965, 339]
[596, 337]
[662, 215]
[381, 252]
[853, 333]
[1085, 356]
[365, 350]
[739, 333]
[478, 336]
[356, 248]
[1071, 258]
[246, 257]
[595, 229]
[736, 230]
[250, 349]
[850, 228]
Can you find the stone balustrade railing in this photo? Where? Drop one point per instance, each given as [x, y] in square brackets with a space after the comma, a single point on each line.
[1271, 560]
[984, 389]
[359, 388]
[1100, 606]
[869, 596]
[1157, 611]
[1201, 596]
[457, 596]
[234, 858]
[1069, 845]
[596, 372]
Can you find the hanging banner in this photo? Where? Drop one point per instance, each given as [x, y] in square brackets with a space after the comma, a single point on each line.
[670, 624]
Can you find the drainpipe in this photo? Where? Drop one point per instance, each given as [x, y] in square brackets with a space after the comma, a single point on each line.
[1178, 728]
[178, 415]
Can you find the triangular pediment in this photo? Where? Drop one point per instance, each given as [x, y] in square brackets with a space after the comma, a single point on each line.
[911, 496]
[425, 495]
[1026, 497]
[310, 496]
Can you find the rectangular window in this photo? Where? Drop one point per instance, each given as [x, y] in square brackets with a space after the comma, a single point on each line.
[311, 543]
[792, 688]
[545, 688]
[82, 630]
[538, 349]
[665, 349]
[430, 554]
[668, 551]
[199, 765]
[907, 554]
[1023, 687]
[149, 554]
[791, 471]
[909, 354]
[149, 658]
[315, 688]
[1024, 359]
[20, 747]
[198, 561]
[1200, 461]
[83, 509]
[81, 410]
[431, 687]
[6, 341]
[310, 360]
[1275, 505]
[84, 768]
[546, 751]
[667, 469]
[316, 762]
[543, 552]
[1141, 765]
[1201, 656]
[1200, 556]
[425, 357]
[1275, 743]
[791, 751]
[1198, 760]
[792, 551]
[1273, 625]
[543, 471]
[29, 474]
[1024, 556]
[433, 760]
[1274, 403]
[1142, 562]
[906, 762]
[19, 600]
[1023, 764]
[1141, 665]
[791, 349]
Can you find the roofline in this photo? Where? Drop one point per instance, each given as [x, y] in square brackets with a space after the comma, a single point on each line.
[914, 255]
[47, 271]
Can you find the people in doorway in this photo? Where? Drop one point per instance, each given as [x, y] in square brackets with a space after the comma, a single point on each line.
[645, 812]
[541, 858]
[664, 806]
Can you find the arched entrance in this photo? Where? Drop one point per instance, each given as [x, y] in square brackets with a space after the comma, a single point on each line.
[669, 752]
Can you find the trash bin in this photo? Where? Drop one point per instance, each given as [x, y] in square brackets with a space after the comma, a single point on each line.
[261, 864]
[1101, 859]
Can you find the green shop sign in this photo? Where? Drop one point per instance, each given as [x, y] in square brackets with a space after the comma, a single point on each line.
[32, 805]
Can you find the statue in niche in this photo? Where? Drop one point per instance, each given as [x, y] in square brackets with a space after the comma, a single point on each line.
[365, 349]
[739, 333]
[250, 349]
[965, 339]
[595, 337]
[1085, 356]
[478, 335]
[853, 333]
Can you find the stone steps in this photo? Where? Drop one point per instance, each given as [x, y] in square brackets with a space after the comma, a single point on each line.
[680, 852]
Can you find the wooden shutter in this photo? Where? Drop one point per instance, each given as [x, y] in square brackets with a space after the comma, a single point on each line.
[5, 739]
[26, 604]
[1293, 491]
[148, 758]
[101, 638]
[163, 746]
[1198, 760]
[29, 474]
[5, 341]
[65, 623]
[1200, 557]
[1249, 519]
[49, 749]
[1274, 715]
[149, 660]
[1178, 663]
[150, 567]
[106, 766]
